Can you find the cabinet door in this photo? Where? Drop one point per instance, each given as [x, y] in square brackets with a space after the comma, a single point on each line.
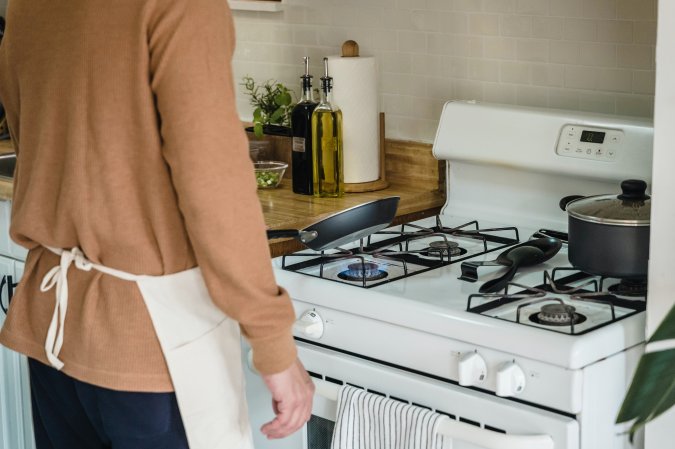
[16, 251]
[8, 431]
[29, 438]
[7, 246]
[6, 271]
[5, 213]
[16, 425]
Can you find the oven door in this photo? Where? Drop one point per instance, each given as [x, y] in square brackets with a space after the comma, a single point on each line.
[477, 420]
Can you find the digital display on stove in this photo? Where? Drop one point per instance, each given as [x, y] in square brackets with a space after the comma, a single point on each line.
[592, 136]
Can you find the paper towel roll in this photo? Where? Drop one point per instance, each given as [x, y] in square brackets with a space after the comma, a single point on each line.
[355, 93]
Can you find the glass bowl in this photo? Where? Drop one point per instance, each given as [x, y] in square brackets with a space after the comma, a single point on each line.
[268, 174]
[259, 150]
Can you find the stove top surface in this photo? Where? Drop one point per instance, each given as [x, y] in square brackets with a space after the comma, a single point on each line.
[432, 298]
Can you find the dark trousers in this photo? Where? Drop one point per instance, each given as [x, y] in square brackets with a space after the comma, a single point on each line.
[69, 414]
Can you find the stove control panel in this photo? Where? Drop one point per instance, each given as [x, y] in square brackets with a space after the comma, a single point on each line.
[589, 142]
[442, 356]
[510, 379]
[472, 369]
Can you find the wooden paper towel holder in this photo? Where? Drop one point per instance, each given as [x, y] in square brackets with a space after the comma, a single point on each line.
[381, 182]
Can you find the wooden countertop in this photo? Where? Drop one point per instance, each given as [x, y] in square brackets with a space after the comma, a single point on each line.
[412, 173]
[411, 170]
[285, 210]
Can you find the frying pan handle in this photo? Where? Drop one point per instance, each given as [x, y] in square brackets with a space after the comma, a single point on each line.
[303, 236]
[283, 233]
[568, 199]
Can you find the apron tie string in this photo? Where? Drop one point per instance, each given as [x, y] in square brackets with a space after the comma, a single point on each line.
[58, 276]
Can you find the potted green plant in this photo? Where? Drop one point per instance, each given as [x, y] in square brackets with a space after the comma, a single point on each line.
[272, 103]
[652, 390]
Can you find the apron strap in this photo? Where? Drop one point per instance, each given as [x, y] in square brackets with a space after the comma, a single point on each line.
[58, 276]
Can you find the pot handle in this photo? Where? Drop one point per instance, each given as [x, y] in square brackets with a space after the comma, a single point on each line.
[633, 190]
[568, 199]
[500, 283]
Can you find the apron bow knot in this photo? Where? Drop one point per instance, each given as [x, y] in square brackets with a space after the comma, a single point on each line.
[67, 257]
[58, 276]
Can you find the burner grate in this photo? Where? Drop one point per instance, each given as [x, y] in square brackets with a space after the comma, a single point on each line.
[399, 248]
[580, 288]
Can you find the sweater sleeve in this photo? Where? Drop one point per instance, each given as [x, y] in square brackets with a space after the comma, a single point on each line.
[191, 43]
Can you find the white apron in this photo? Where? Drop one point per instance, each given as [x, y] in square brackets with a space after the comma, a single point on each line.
[200, 343]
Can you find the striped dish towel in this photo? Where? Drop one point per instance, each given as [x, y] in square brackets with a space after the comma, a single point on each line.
[369, 421]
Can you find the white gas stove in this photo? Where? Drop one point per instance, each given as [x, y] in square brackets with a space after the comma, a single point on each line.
[551, 355]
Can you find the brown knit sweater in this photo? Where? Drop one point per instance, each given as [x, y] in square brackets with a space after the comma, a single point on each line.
[130, 148]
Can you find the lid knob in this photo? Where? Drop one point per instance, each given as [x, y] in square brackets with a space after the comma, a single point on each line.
[633, 190]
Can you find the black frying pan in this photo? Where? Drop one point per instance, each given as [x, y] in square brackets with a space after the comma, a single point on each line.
[344, 227]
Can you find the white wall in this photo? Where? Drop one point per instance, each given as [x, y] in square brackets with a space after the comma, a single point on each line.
[660, 433]
[591, 55]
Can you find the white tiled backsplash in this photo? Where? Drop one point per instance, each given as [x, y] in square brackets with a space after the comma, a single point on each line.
[589, 55]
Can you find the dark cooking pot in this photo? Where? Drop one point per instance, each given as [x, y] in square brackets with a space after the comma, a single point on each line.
[609, 234]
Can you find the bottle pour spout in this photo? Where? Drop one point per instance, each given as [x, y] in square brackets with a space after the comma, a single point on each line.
[306, 78]
[326, 81]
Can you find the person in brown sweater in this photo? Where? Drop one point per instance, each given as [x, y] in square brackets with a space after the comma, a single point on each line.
[130, 148]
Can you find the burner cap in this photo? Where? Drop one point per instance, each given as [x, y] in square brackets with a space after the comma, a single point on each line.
[366, 271]
[444, 247]
[629, 287]
[557, 315]
[443, 244]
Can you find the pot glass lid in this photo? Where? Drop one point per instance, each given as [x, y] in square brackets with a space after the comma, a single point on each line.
[632, 207]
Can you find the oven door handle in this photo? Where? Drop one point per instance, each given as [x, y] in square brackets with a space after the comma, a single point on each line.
[458, 430]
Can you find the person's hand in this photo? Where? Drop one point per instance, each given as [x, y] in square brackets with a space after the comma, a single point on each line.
[292, 392]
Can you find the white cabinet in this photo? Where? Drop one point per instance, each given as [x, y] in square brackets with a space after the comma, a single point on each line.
[7, 246]
[16, 426]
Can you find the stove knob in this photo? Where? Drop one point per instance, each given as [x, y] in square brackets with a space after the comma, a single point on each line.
[310, 324]
[510, 379]
[472, 369]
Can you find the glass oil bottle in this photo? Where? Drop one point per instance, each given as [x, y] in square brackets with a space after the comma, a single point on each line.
[301, 125]
[327, 161]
